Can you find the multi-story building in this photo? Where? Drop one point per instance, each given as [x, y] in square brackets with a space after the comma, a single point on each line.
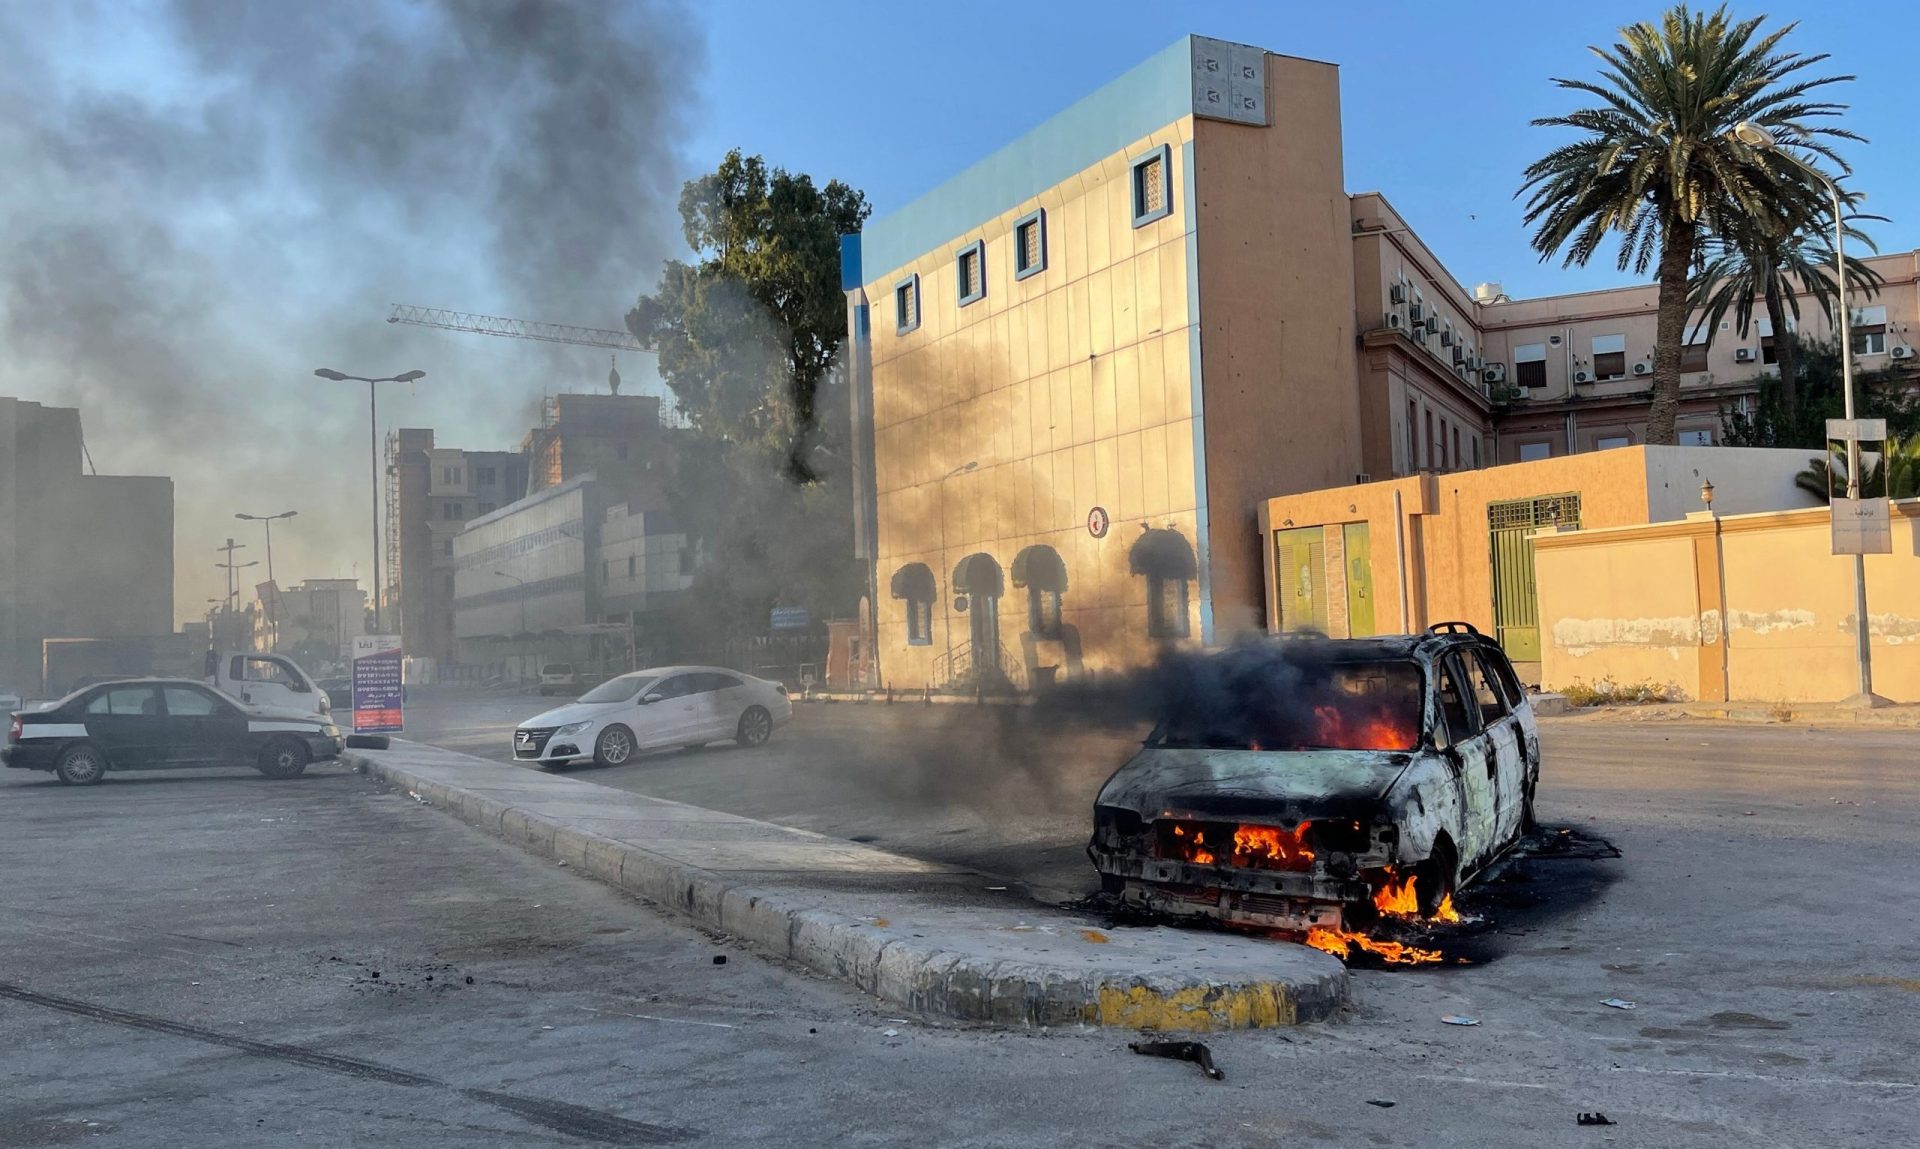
[81, 555]
[432, 493]
[1081, 366]
[603, 434]
[319, 618]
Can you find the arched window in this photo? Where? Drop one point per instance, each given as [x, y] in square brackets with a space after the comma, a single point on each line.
[914, 583]
[1043, 573]
[1165, 557]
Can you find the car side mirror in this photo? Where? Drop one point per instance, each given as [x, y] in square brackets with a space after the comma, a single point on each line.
[651, 697]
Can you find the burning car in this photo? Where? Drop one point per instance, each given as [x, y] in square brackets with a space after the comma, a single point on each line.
[1312, 784]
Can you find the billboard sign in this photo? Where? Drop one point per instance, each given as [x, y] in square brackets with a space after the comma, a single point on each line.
[377, 690]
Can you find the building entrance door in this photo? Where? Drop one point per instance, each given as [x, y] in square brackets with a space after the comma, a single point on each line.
[1516, 608]
[1300, 568]
[1359, 552]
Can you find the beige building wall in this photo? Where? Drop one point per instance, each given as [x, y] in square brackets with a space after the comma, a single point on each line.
[1000, 425]
[1282, 411]
[1647, 604]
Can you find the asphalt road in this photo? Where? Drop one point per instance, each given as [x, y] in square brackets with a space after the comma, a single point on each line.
[189, 960]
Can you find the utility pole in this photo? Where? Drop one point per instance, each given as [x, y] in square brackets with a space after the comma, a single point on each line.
[233, 583]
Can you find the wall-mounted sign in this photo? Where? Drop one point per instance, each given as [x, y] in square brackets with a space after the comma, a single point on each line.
[960, 604]
[1098, 522]
[788, 618]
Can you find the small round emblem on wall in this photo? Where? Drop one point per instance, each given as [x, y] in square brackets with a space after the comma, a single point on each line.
[1098, 522]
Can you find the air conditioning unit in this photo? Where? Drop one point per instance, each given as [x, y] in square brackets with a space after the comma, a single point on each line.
[1418, 335]
[1900, 351]
[1433, 323]
[1363, 477]
[1397, 293]
[1743, 355]
[1417, 313]
[1459, 356]
[1460, 370]
[1446, 339]
[1643, 368]
[1495, 373]
[1476, 363]
[1582, 377]
[1395, 322]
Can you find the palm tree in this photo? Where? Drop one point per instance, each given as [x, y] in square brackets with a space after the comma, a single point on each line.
[1772, 262]
[1656, 162]
[1896, 474]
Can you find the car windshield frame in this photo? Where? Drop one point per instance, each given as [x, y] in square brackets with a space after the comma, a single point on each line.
[625, 688]
[1239, 733]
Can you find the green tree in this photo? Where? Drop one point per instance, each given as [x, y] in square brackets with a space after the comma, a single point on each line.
[750, 335]
[1656, 161]
[1759, 262]
[1885, 393]
[1895, 474]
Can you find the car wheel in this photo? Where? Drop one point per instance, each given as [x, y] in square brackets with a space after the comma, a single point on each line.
[756, 725]
[614, 747]
[81, 765]
[1434, 879]
[283, 758]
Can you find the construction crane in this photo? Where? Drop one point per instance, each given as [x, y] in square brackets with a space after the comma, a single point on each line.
[514, 328]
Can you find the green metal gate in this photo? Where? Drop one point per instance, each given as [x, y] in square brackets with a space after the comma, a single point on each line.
[1516, 609]
[1300, 567]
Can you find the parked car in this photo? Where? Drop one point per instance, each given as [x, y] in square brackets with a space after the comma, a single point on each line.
[559, 678]
[161, 724]
[1325, 780]
[10, 700]
[649, 709]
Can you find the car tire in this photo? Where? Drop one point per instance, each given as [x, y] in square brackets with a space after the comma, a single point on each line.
[614, 747]
[81, 765]
[1435, 879]
[756, 726]
[283, 758]
[1529, 823]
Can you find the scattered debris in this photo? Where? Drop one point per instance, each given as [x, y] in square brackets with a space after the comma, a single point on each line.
[1381, 1102]
[1618, 1003]
[1094, 936]
[1193, 1051]
[1594, 1119]
[719, 959]
[1003, 887]
[469, 979]
[1456, 1019]
[811, 1029]
[889, 1033]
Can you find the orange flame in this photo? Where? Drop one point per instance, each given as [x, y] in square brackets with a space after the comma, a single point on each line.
[1340, 943]
[1254, 847]
[1401, 900]
[1380, 730]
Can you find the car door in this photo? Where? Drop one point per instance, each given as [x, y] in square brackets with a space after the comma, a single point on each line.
[668, 720]
[269, 682]
[1470, 758]
[719, 704]
[1503, 742]
[129, 726]
[207, 730]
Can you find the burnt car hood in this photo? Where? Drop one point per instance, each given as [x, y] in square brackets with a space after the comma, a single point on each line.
[1240, 782]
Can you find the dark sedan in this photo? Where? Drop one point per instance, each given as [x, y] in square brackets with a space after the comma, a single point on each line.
[161, 724]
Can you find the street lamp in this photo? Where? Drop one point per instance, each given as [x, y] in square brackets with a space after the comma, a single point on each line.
[1761, 140]
[273, 617]
[373, 450]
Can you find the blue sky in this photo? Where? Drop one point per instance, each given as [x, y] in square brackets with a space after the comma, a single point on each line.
[1436, 96]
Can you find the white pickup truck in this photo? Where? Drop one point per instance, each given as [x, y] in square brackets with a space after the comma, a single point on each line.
[269, 681]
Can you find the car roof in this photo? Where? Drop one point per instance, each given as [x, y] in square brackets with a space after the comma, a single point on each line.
[662, 671]
[1388, 646]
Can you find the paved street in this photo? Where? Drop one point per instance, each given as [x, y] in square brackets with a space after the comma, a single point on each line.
[189, 960]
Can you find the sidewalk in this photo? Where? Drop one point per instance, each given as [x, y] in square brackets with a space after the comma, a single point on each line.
[1803, 713]
[928, 937]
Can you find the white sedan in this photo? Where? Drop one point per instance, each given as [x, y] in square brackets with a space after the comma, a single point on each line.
[651, 709]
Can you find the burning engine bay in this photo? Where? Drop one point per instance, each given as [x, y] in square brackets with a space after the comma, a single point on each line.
[1340, 792]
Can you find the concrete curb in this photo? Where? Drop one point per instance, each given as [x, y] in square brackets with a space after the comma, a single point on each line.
[941, 962]
[1773, 714]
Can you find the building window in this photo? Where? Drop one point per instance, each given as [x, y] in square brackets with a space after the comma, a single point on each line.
[906, 304]
[1030, 244]
[483, 476]
[1152, 186]
[453, 512]
[1457, 460]
[450, 474]
[1693, 350]
[1446, 464]
[1534, 452]
[1413, 436]
[631, 566]
[1866, 341]
[1609, 442]
[914, 584]
[486, 508]
[1432, 453]
[1702, 438]
[970, 273]
[446, 548]
[1530, 365]
[1166, 607]
[1609, 357]
[1476, 452]
[1041, 570]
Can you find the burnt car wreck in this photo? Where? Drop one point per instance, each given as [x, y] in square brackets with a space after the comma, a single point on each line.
[1313, 785]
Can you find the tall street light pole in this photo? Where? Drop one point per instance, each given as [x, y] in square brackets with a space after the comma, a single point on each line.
[373, 452]
[1760, 139]
[522, 584]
